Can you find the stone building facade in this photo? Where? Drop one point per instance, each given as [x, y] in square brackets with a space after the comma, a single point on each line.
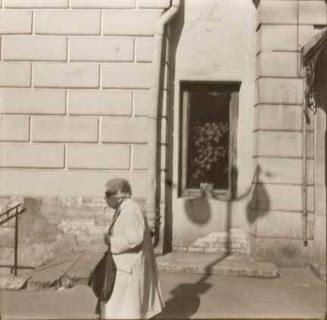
[287, 142]
[79, 83]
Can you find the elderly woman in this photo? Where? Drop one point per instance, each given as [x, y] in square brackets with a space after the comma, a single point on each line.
[136, 293]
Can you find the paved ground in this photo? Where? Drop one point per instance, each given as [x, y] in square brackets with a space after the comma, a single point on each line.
[78, 265]
[296, 294]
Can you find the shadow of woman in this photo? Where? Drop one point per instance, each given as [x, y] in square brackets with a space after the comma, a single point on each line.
[185, 301]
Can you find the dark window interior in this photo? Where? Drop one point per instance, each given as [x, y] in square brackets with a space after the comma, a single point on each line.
[208, 140]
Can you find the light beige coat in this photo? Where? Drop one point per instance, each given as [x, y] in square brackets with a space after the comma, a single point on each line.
[136, 293]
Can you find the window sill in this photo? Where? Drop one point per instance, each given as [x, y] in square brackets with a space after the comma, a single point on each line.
[223, 195]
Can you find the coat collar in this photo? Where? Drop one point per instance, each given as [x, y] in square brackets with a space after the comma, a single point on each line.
[125, 203]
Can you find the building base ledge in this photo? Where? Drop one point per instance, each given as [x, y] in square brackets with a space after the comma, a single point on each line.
[216, 264]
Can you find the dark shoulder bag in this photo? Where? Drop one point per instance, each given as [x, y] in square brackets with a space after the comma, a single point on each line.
[102, 279]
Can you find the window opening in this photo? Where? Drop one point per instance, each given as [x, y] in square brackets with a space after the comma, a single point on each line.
[208, 125]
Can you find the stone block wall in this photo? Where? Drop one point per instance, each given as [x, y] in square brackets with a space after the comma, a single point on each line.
[75, 80]
[74, 94]
[283, 27]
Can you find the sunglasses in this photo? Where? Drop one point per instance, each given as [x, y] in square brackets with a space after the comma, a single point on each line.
[108, 194]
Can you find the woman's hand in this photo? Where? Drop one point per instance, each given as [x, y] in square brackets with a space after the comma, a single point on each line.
[106, 239]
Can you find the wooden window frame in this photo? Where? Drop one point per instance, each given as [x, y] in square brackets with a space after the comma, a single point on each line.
[186, 87]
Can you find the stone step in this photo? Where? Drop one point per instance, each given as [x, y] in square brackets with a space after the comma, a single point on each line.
[11, 282]
[65, 270]
[68, 269]
[216, 264]
[81, 269]
[50, 273]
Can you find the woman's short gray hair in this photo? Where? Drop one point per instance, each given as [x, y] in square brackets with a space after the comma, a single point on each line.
[118, 185]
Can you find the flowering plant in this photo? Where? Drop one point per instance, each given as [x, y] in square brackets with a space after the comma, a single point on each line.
[208, 150]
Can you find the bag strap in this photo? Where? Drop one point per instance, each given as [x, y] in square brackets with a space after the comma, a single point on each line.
[116, 214]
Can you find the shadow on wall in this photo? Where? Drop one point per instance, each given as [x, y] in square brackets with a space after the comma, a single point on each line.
[52, 226]
[198, 209]
[38, 237]
[199, 212]
[259, 204]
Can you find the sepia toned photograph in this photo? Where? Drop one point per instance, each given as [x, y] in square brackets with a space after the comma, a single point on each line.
[163, 159]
